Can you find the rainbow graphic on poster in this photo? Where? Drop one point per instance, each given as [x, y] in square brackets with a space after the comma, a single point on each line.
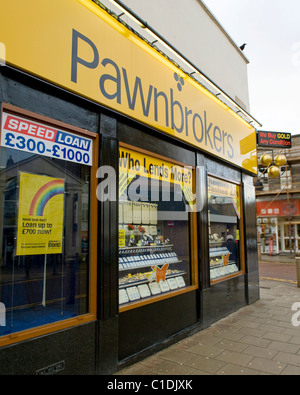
[44, 194]
[41, 214]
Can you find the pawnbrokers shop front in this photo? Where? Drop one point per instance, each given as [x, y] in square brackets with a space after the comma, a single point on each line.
[125, 186]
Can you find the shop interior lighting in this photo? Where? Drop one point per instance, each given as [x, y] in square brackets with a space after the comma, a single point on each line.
[194, 70]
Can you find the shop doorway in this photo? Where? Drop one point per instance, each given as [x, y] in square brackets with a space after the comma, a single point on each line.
[289, 237]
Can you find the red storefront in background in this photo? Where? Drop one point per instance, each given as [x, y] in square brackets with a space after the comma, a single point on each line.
[282, 208]
[278, 225]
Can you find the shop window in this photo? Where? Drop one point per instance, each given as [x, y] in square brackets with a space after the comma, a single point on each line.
[224, 214]
[155, 221]
[45, 230]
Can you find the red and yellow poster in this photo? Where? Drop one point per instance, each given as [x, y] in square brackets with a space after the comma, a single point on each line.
[40, 219]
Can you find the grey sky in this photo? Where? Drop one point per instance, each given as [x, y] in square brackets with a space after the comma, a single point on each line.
[271, 29]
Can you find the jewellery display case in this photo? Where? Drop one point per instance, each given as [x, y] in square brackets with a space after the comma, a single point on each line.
[154, 228]
[148, 262]
[147, 271]
[220, 262]
[224, 209]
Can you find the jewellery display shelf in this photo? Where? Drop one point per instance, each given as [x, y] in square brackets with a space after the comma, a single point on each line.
[220, 263]
[146, 271]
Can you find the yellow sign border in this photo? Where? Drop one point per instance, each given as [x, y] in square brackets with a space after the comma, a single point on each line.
[129, 77]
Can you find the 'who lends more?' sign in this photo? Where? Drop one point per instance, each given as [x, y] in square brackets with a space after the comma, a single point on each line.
[274, 139]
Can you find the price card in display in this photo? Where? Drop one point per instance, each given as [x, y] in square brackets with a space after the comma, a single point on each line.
[133, 293]
[180, 282]
[144, 291]
[127, 212]
[212, 273]
[172, 283]
[37, 138]
[155, 288]
[164, 286]
[145, 214]
[123, 297]
[137, 212]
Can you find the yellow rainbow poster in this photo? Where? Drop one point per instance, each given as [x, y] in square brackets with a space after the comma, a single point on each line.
[40, 218]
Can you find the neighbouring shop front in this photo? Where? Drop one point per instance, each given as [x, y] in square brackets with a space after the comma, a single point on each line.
[128, 216]
[278, 225]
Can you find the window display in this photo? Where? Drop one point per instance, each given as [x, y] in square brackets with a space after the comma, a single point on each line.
[224, 216]
[45, 226]
[154, 227]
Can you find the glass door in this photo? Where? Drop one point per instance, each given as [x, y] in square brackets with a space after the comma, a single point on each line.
[288, 237]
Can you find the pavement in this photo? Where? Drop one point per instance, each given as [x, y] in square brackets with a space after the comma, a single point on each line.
[279, 258]
[260, 339]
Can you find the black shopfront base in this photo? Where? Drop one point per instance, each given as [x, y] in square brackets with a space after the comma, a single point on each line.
[157, 323]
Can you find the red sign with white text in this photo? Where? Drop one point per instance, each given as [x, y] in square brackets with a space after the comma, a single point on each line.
[29, 128]
[283, 208]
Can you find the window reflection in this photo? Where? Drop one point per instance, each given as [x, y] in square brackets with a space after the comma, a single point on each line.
[224, 228]
[42, 289]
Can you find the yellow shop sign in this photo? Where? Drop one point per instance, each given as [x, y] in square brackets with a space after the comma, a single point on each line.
[87, 51]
